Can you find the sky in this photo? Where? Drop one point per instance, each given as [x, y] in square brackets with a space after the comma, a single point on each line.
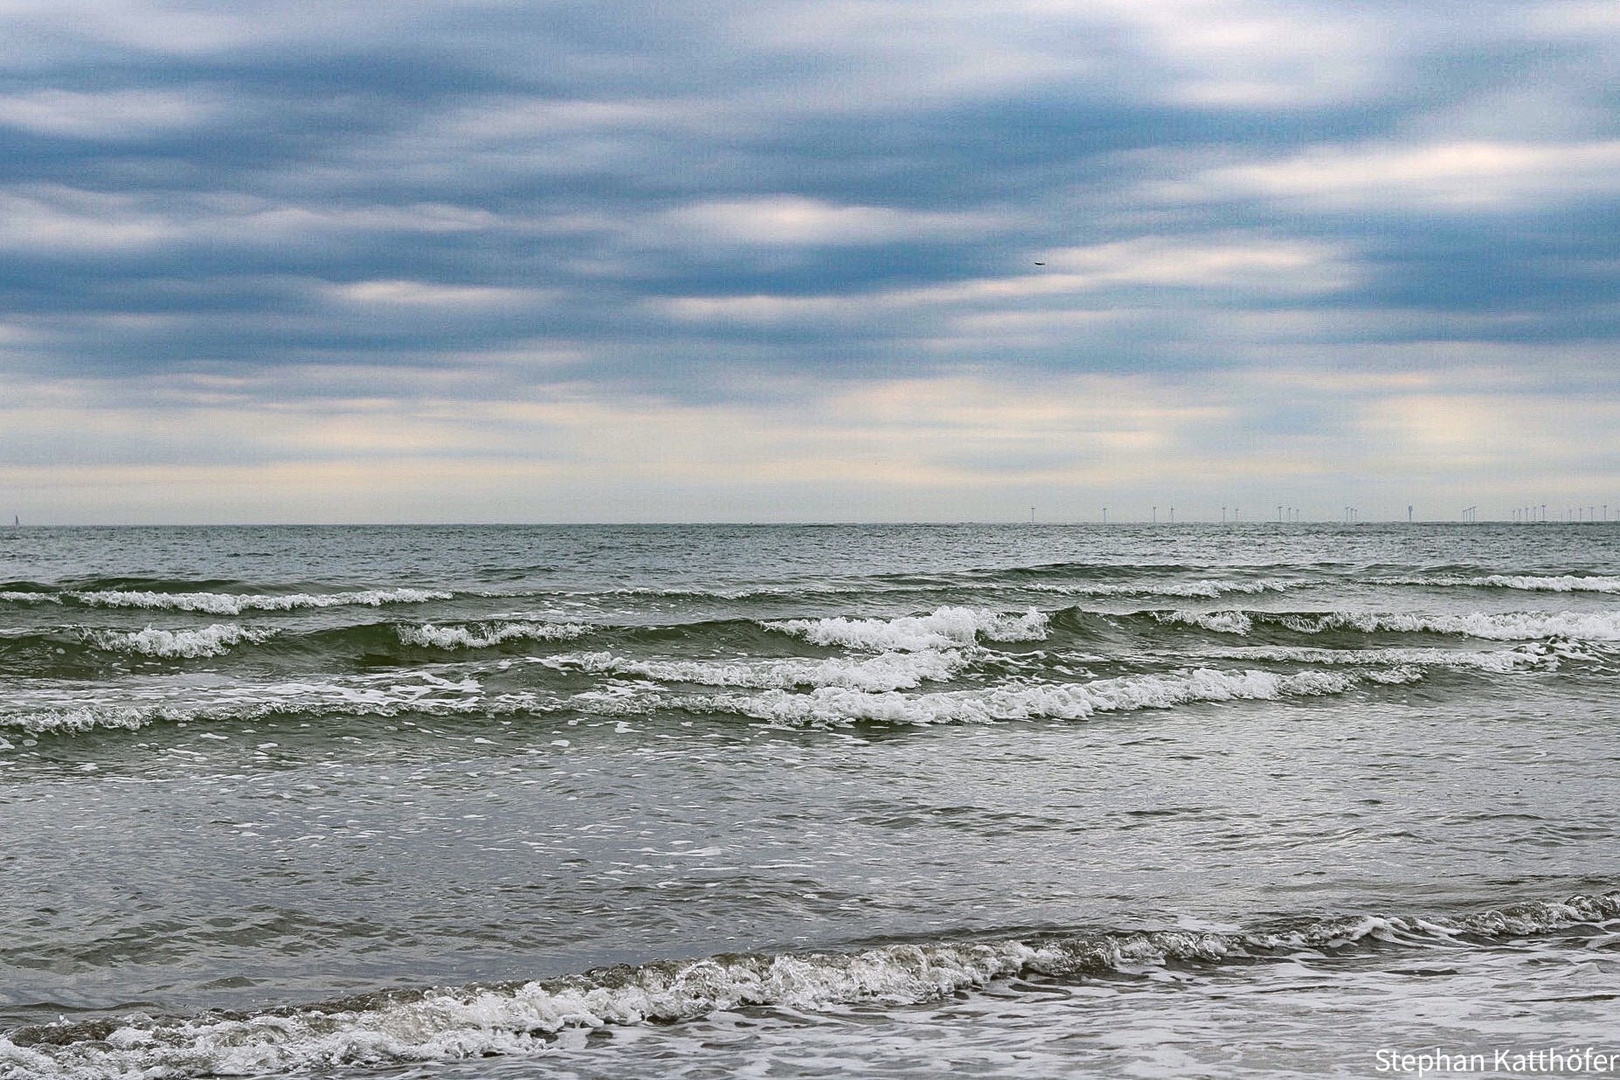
[839, 260]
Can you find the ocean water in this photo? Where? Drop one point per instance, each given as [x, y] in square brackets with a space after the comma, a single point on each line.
[1284, 800]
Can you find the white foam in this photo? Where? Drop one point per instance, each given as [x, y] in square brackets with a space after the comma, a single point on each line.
[1207, 589]
[29, 597]
[88, 718]
[945, 628]
[1491, 626]
[470, 1023]
[1501, 662]
[1064, 701]
[517, 1020]
[213, 640]
[70, 708]
[485, 636]
[1222, 622]
[1394, 676]
[1558, 583]
[442, 1026]
[887, 671]
[1526, 582]
[235, 604]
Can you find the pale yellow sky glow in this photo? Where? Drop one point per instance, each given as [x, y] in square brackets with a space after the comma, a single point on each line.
[862, 451]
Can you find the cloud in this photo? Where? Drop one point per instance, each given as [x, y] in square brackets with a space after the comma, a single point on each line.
[408, 294]
[455, 231]
[794, 220]
[115, 115]
[1466, 176]
[58, 220]
[1261, 55]
[1141, 302]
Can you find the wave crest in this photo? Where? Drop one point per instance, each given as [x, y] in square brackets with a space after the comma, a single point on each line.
[886, 671]
[215, 640]
[1489, 626]
[487, 635]
[825, 706]
[442, 1025]
[1492, 626]
[236, 603]
[1525, 582]
[945, 628]
[1206, 588]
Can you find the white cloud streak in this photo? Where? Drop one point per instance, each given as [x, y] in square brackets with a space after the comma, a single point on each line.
[1459, 176]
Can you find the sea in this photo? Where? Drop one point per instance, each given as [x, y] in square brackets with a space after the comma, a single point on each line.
[1189, 800]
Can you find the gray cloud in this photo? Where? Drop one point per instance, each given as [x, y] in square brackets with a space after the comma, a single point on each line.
[725, 202]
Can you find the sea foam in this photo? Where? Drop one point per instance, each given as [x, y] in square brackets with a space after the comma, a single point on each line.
[886, 671]
[1207, 588]
[1063, 701]
[235, 603]
[1221, 622]
[945, 628]
[67, 709]
[1500, 662]
[1525, 582]
[1490, 626]
[487, 635]
[215, 640]
[520, 1019]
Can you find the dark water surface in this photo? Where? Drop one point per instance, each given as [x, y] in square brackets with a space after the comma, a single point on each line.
[788, 801]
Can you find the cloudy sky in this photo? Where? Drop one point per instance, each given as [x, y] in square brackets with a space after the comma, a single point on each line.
[426, 260]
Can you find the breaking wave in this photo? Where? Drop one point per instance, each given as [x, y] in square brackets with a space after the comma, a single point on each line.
[1221, 622]
[1208, 589]
[234, 604]
[395, 1027]
[13, 596]
[66, 711]
[831, 705]
[1562, 583]
[487, 635]
[887, 671]
[215, 640]
[1502, 662]
[1490, 626]
[945, 628]
[1509, 626]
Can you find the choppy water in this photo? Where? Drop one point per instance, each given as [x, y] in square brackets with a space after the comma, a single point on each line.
[708, 801]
